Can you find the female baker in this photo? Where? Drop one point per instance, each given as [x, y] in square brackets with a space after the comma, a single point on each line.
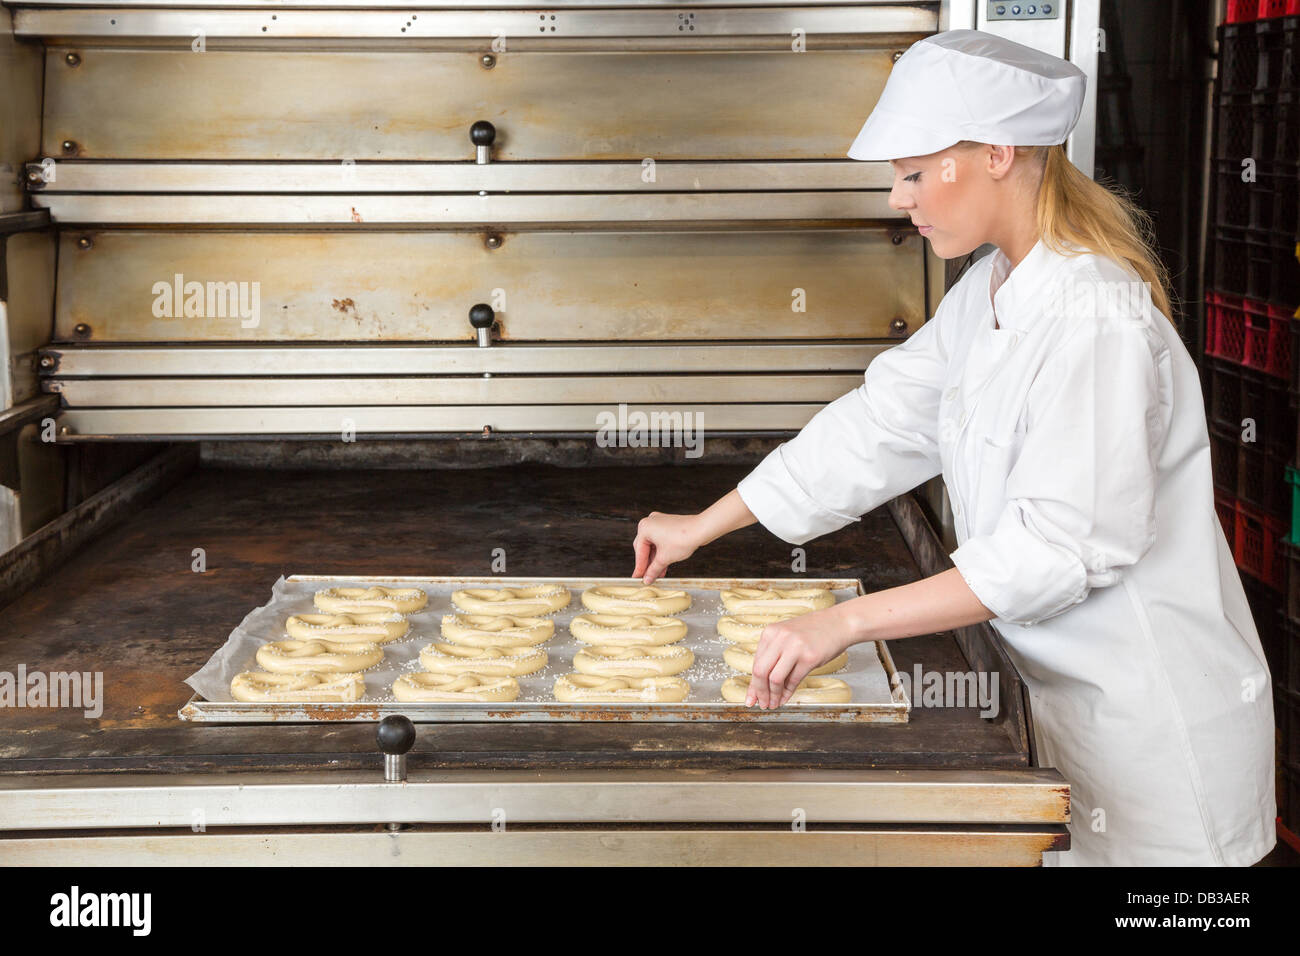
[1054, 395]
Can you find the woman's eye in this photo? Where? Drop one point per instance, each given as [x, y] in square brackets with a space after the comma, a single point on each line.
[912, 178]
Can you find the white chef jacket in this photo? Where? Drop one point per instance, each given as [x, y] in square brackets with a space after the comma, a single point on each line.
[1074, 447]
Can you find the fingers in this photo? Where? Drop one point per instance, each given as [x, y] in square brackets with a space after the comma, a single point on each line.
[792, 681]
[758, 691]
[656, 570]
[781, 662]
[642, 547]
[778, 677]
[766, 654]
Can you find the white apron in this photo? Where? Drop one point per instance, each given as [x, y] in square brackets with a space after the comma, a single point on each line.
[1073, 444]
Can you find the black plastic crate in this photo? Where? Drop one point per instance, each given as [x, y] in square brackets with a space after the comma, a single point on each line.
[1238, 58]
[1231, 260]
[1287, 672]
[1265, 399]
[1263, 126]
[1225, 509]
[1265, 602]
[1271, 199]
[1225, 394]
[1290, 606]
[1288, 127]
[1272, 272]
[1289, 806]
[1261, 480]
[1234, 139]
[1286, 710]
[1290, 78]
[1283, 179]
[1270, 37]
[1261, 195]
[1224, 459]
[1273, 638]
[1232, 205]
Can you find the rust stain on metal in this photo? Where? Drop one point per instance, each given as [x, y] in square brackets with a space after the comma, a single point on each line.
[356, 216]
[359, 712]
[343, 305]
[138, 698]
[1062, 793]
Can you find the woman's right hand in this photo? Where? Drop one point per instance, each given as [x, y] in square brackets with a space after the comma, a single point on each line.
[662, 539]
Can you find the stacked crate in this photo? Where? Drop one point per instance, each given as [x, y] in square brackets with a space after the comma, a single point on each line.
[1252, 341]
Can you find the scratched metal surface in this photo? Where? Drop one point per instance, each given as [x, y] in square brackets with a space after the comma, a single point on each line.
[128, 605]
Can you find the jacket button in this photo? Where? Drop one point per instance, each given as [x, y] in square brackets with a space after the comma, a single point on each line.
[962, 420]
[951, 393]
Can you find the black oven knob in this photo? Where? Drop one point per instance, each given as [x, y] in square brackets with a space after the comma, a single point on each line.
[481, 316]
[482, 134]
[395, 736]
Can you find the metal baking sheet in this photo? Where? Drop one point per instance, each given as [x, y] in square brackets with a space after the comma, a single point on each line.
[878, 696]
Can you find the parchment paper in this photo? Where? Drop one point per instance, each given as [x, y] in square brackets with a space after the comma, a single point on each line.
[864, 672]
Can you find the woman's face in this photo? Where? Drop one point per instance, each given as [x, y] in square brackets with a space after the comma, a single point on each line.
[953, 195]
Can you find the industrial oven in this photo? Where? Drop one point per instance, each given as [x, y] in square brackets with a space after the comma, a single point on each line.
[343, 289]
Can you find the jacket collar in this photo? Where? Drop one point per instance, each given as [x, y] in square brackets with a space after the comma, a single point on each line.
[1018, 302]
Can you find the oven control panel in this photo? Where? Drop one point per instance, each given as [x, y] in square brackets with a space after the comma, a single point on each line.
[1004, 10]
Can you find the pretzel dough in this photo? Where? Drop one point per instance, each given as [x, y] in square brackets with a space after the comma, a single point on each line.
[496, 630]
[376, 628]
[317, 657]
[811, 690]
[642, 661]
[775, 600]
[257, 687]
[748, 628]
[590, 688]
[487, 661]
[369, 600]
[741, 658]
[625, 629]
[424, 686]
[622, 599]
[520, 602]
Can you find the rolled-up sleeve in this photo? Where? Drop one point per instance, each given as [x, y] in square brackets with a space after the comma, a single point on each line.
[1080, 496]
[862, 449]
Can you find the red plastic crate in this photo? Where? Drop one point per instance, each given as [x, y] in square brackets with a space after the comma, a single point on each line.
[1239, 11]
[1257, 548]
[1267, 344]
[1272, 8]
[1225, 327]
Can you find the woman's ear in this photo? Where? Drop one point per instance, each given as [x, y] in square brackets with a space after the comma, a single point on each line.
[1000, 160]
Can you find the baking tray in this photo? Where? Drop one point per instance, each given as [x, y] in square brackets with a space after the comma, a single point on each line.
[879, 695]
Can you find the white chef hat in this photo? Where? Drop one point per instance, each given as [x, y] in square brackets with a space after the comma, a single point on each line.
[971, 85]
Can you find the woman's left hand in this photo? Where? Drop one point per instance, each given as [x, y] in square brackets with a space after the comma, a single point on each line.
[789, 649]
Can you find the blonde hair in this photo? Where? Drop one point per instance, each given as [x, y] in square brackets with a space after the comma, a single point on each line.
[1102, 218]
